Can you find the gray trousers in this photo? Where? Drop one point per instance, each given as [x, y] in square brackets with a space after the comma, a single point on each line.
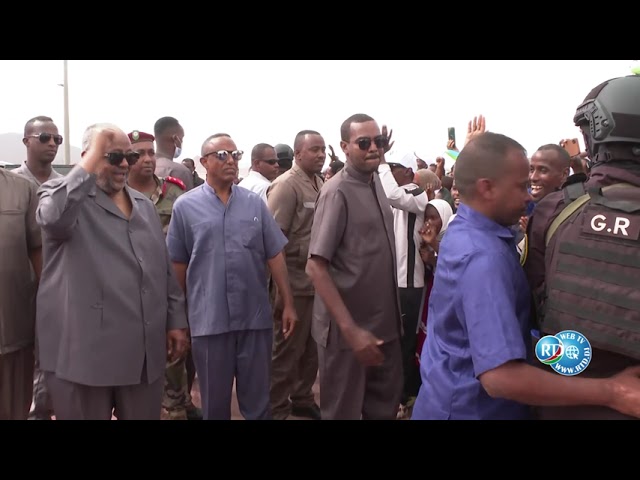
[16, 373]
[41, 407]
[244, 355]
[351, 391]
[72, 401]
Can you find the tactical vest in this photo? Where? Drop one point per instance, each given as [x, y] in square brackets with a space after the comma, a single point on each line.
[592, 282]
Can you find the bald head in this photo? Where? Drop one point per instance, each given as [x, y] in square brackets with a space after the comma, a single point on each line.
[558, 155]
[205, 144]
[427, 180]
[485, 156]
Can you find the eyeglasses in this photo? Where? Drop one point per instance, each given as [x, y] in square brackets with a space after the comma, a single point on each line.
[364, 143]
[115, 158]
[271, 162]
[45, 137]
[224, 154]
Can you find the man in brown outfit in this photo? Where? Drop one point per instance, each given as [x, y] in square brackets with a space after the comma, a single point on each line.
[292, 198]
[20, 251]
[356, 313]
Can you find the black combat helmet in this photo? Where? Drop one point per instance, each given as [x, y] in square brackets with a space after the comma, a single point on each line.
[285, 156]
[284, 152]
[611, 113]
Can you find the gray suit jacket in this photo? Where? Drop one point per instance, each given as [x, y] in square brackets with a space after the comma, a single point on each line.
[108, 292]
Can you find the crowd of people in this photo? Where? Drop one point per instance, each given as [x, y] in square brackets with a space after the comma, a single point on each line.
[413, 288]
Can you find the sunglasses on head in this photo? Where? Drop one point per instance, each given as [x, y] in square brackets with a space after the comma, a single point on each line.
[45, 137]
[115, 158]
[223, 155]
[364, 143]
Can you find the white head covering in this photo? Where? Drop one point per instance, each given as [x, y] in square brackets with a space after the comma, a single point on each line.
[444, 210]
[407, 160]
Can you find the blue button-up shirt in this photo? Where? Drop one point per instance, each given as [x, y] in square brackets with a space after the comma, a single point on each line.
[478, 319]
[226, 248]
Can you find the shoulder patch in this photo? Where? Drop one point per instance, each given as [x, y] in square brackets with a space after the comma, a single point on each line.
[176, 181]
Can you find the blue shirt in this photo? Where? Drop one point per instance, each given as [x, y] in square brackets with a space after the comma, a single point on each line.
[478, 320]
[226, 248]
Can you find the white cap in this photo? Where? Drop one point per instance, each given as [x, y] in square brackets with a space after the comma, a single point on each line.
[407, 160]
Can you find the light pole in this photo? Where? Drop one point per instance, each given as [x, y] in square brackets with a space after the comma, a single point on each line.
[67, 142]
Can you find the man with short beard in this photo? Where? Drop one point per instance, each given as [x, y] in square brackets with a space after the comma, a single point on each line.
[548, 170]
[221, 239]
[109, 309]
[292, 199]
[352, 258]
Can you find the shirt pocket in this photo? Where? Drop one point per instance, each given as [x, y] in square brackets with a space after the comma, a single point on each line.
[12, 226]
[251, 234]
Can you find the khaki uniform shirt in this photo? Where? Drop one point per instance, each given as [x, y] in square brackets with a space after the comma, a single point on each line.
[292, 200]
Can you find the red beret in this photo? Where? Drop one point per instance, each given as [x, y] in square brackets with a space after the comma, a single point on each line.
[137, 136]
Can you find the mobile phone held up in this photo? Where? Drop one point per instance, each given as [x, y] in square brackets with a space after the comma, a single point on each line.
[451, 132]
[572, 147]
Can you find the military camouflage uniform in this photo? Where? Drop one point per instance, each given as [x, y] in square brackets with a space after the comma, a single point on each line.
[177, 399]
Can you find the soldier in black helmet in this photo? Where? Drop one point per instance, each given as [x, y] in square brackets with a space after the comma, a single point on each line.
[583, 260]
[285, 157]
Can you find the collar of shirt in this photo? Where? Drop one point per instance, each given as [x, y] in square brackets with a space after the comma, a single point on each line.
[25, 170]
[298, 171]
[362, 177]
[209, 189]
[483, 222]
[258, 176]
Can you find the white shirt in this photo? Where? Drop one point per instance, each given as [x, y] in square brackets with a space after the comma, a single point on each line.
[408, 205]
[257, 183]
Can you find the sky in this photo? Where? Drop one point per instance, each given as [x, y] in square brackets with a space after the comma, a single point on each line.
[255, 101]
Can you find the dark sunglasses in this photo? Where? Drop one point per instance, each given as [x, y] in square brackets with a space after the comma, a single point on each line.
[271, 162]
[45, 137]
[224, 154]
[115, 158]
[364, 143]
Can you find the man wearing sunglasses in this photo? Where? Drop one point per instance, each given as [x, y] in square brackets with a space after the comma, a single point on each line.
[264, 170]
[110, 311]
[42, 141]
[356, 312]
[221, 239]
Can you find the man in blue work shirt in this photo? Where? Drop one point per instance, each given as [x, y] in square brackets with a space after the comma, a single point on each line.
[475, 364]
[221, 239]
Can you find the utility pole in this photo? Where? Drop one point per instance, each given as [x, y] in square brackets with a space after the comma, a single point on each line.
[67, 139]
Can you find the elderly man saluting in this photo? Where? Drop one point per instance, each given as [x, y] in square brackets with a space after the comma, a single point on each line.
[109, 312]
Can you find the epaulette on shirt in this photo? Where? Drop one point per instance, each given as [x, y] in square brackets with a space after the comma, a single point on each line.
[175, 181]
